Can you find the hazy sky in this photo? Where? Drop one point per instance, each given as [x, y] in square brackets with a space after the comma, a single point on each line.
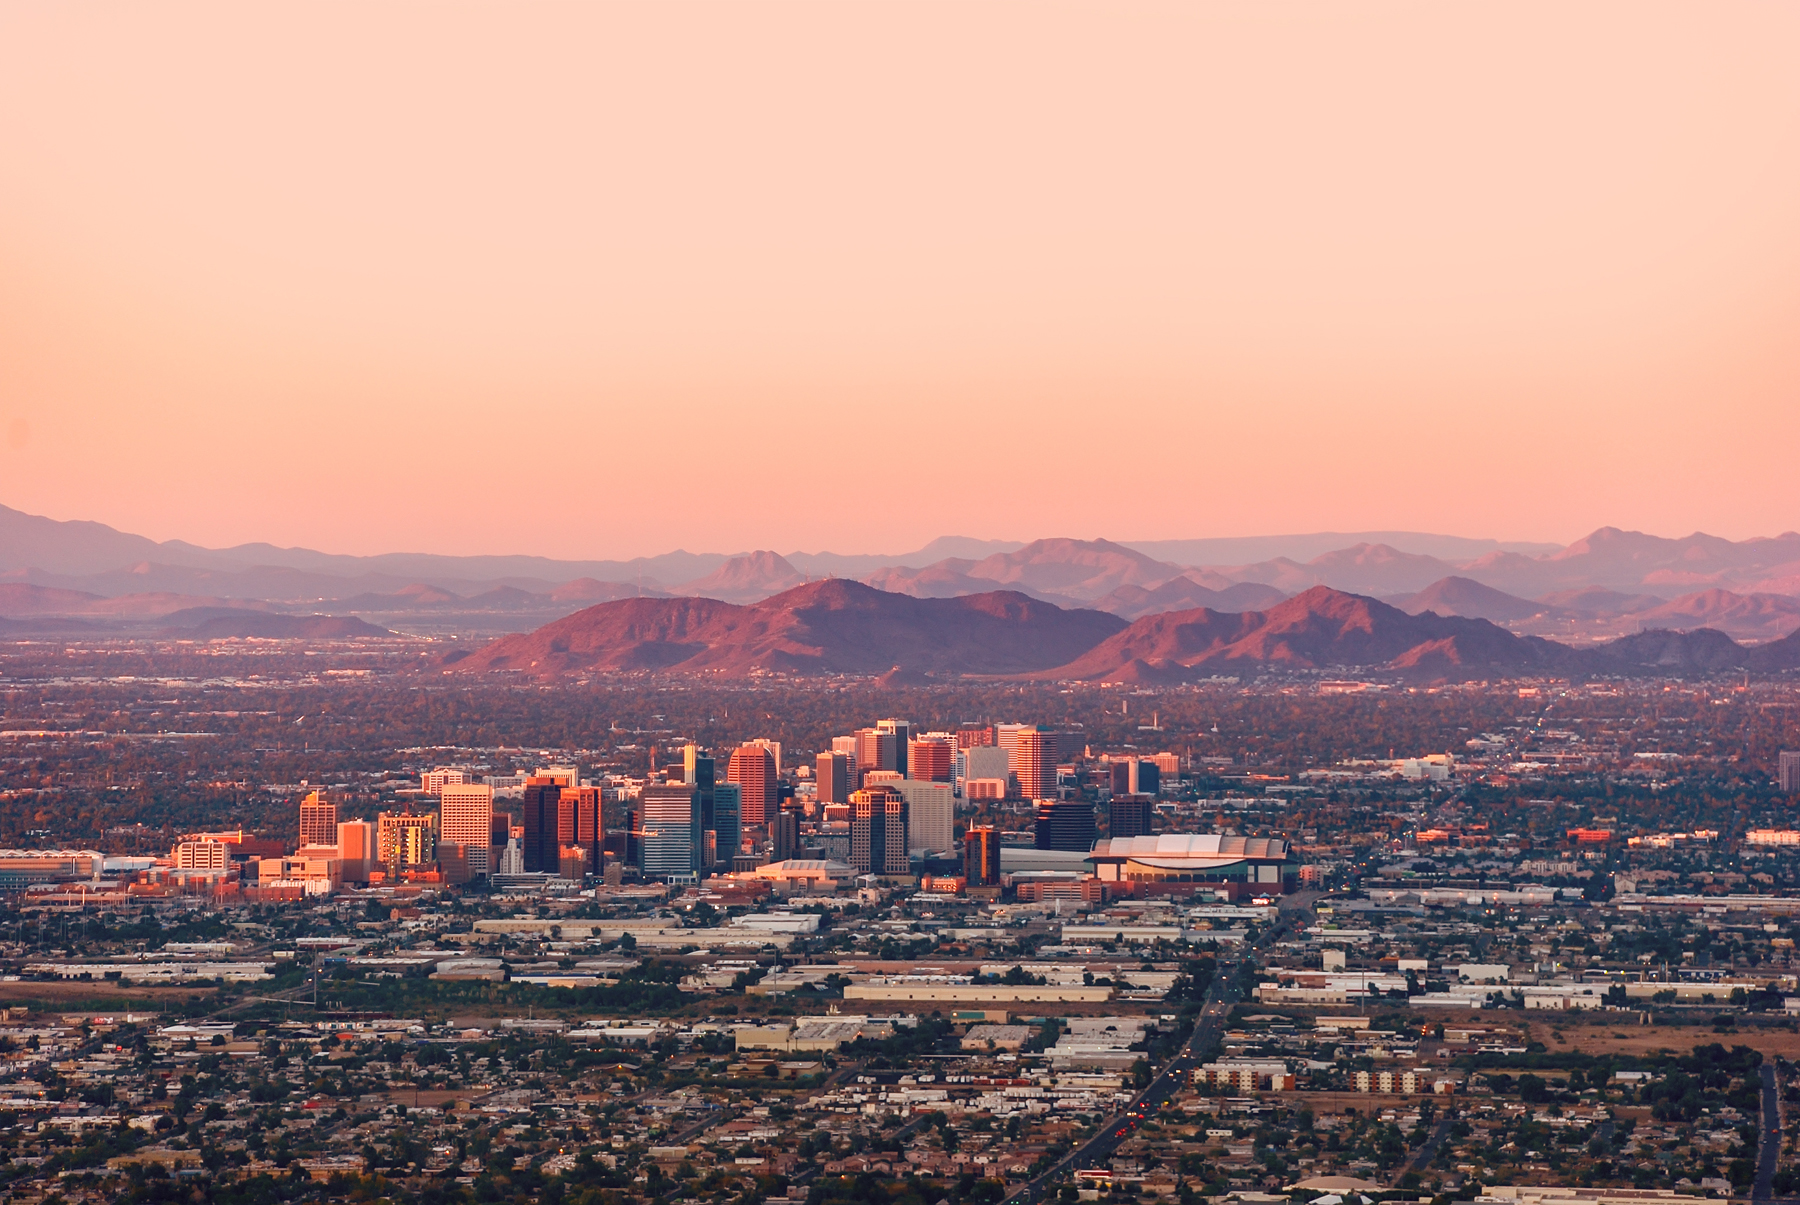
[605, 279]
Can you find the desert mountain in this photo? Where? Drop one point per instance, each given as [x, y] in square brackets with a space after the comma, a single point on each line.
[217, 623]
[1598, 600]
[1065, 570]
[1321, 627]
[746, 579]
[1185, 594]
[825, 627]
[1633, 562]
[587, 590]
[1363, 568]
[1471, 600]
[21, 600]
[1599, 582]
[838, 626]
[1246, 550]
[1757, 617]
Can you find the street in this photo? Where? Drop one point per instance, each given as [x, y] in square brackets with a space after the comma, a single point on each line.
[1208, 1031]
[1768, 1148]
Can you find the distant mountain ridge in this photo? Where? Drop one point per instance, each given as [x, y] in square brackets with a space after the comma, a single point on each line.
[1609, 584]
[843, 627]
[825, 627]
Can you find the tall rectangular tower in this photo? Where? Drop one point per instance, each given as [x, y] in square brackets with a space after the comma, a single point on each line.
[541, 802]
[466, 817]
[752, 767]
[878, 831]
[356, 849]
[981, 857]
[832, 771]
[668, 838]
[1065, 824]
[1129, 816]
[728, 805]
[318, 821]
[930, 815]
[1032, 761]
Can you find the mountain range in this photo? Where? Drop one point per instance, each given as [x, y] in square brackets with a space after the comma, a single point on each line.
[87, 577]
[843, 627]
[827, 627]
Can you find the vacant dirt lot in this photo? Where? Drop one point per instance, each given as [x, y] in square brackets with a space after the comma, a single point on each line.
[73, 995]
[1647, 1039]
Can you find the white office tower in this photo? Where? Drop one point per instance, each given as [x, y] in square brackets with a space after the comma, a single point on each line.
[466, 816]
[980, 761]
[512, 858]
[930, 815]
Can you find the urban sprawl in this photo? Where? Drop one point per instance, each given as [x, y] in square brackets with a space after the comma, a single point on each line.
[1549, 961]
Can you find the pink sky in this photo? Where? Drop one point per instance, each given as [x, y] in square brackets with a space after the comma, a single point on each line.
[606, 279]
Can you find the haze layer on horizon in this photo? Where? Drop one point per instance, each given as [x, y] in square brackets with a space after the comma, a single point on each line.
[605, 280]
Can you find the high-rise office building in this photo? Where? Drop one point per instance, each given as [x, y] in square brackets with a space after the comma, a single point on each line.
[1789, 769]
[356, 849]
[875, 750]
[541, 803]
[1065, 824]
[1144, 777]
[752, 768]
[1129, 816]
[902, 731]
[579, 825]
[878, 831]
[832, 772]
[434, 781]
[1116, 776]
[453, 863]
[986, 762]
[784, 835]
[669, 838]
[981, 857]
[466, 817]
[702, 775]
[930, 815]
[971, 736]
[929, 759]
[405, 839]
[1031, 756]
[318, 821]
[728, 827]
[564, 776]
[774, 748]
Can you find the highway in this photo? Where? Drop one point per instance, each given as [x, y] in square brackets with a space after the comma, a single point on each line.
[1208, 1031]
[1768, 1147]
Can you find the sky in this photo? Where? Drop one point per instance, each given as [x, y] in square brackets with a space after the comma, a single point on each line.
[606, 279]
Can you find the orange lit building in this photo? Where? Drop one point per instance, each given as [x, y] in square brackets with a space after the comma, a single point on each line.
[752, 768]
[928, 759]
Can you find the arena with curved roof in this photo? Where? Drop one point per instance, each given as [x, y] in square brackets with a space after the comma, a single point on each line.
[1174, 858]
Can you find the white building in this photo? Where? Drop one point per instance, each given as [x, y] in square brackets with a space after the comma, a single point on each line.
[930, 815]
[466, 817]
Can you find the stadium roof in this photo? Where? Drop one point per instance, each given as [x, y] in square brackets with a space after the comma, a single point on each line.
[1173, 850]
